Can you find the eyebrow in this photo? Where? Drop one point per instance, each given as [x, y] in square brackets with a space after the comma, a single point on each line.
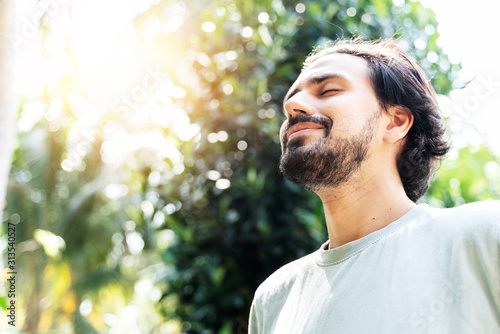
[316, 80]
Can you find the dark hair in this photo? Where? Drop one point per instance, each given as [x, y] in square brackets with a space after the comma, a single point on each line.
[399, 81]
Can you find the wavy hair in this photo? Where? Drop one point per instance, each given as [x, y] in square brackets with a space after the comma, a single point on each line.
[399, 81]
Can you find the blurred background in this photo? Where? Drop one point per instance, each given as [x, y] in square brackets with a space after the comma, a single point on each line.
[144, 179]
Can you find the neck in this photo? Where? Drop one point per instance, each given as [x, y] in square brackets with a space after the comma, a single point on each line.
[357, 209]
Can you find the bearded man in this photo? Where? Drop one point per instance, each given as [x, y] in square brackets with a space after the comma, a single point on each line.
[364, 132]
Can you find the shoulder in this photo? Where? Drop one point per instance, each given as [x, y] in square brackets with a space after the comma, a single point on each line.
[477, 213]
[272, 294]
[489, 210]
[281, 281]
[476, 220]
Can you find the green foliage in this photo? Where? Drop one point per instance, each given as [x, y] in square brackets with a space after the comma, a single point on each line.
[48, 198]
[81, 325]
[469, 175]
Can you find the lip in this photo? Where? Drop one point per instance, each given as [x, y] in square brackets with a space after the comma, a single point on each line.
[303, 128]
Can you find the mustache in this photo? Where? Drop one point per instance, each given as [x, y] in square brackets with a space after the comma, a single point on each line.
[324, 121]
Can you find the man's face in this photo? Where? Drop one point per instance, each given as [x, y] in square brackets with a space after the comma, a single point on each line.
[332, 114]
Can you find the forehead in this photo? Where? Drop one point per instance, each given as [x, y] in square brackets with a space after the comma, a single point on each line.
[352, 69]
[338, 62]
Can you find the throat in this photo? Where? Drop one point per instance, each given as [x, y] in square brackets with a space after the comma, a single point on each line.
[349, 217]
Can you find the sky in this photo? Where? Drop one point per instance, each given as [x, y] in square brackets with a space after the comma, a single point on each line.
[469, 33]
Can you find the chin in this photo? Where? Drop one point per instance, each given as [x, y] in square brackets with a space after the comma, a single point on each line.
[294, 144]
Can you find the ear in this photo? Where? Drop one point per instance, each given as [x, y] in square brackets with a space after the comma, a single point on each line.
[400, 122]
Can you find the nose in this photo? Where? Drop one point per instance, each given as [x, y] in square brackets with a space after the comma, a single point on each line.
[298, 104]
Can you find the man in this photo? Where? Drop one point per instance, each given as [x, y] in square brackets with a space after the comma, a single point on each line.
[364, 132]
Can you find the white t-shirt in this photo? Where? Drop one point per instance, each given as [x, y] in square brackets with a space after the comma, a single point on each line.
[431, 271]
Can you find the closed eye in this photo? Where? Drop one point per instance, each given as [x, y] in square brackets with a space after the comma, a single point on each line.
[330, 91]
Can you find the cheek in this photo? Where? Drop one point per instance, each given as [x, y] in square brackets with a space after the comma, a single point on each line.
[348, 115]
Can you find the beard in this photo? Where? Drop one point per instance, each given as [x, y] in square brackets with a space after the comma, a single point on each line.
[328, 162]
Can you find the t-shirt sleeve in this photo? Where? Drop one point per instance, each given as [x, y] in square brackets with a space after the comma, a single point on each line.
[255, 320]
